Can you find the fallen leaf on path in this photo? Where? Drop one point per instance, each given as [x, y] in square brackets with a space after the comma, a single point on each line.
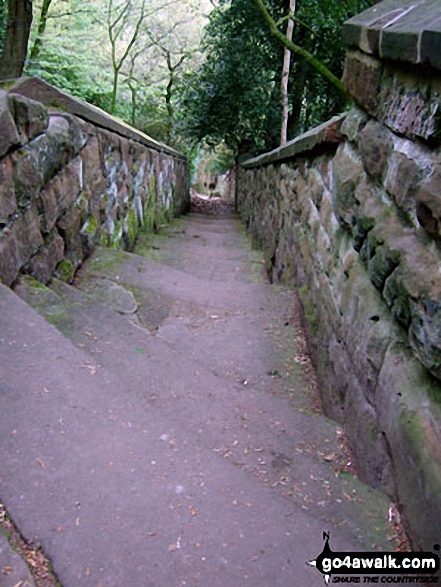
[41, 463]
[193, 511]
[175, 545]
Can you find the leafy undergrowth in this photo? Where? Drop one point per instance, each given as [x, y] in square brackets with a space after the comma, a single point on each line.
[39, 565]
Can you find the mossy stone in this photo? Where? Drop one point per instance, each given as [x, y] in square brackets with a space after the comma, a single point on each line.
[65, 270]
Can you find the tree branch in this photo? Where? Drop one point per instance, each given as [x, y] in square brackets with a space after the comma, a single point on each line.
[297, 50]
[73, 13]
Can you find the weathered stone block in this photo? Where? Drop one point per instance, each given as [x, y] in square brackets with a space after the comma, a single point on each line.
[69, 180]
[402, 182]
[59, 195]
[381, 264]
[362, 76]
[347, 171]
[78, 133]
[354, 122]
[8, 202]
[10, 259]
[30, 117]
[90, 234]
[44, 262]
[9, 136]
[19, 242]
[327, 216]
[409, 414]
[361, 424]
[28, 176]
[410, 104]
[27, 229]
[94, 181]
[397, 298]
[39, 161]
[68, 225]
[49, 206]
[425, 332]
[428, 205]
[376, 145]
[316, 186]
[366, 326]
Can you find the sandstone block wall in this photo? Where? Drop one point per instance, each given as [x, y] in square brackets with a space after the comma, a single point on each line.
[67, 183]
[350, 213]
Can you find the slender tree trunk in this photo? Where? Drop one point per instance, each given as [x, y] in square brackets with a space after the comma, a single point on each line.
[169, 107]
[297, 50]
[298, 92]
[285, 75]
[115, 36]
[169, 91]
[36, 47]
[134, 106]
[114, 89]
[15, 46]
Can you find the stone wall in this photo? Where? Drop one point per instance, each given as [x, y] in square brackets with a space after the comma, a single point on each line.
[68, 183]
[350, 213]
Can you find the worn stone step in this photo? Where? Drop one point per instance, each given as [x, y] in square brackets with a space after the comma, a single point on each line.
[118, 491]
[223, 408]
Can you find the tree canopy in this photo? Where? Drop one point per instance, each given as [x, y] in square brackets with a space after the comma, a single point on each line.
[197, 70]
[126, 57]
[235, 96]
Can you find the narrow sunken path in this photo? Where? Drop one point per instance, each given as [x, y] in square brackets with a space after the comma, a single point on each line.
[161, 424]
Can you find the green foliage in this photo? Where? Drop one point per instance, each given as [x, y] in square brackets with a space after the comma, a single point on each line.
[72, 50]
[71, 56]
[315, 100]
[229, 96]
[3, 21]
[233, 96]
[59, 67]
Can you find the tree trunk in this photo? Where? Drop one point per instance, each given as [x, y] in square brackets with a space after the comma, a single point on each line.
[36, 48]
[298, 92]
[114, 89]
[16, 39]
[285, 76]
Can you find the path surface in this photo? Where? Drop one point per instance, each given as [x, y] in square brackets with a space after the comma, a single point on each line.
[159, 427]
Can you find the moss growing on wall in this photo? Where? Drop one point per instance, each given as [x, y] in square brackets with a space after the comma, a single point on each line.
[65, 270]
[308, 309]
[131, 228]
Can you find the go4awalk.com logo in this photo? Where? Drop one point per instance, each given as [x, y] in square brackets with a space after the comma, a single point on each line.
[419, 568]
